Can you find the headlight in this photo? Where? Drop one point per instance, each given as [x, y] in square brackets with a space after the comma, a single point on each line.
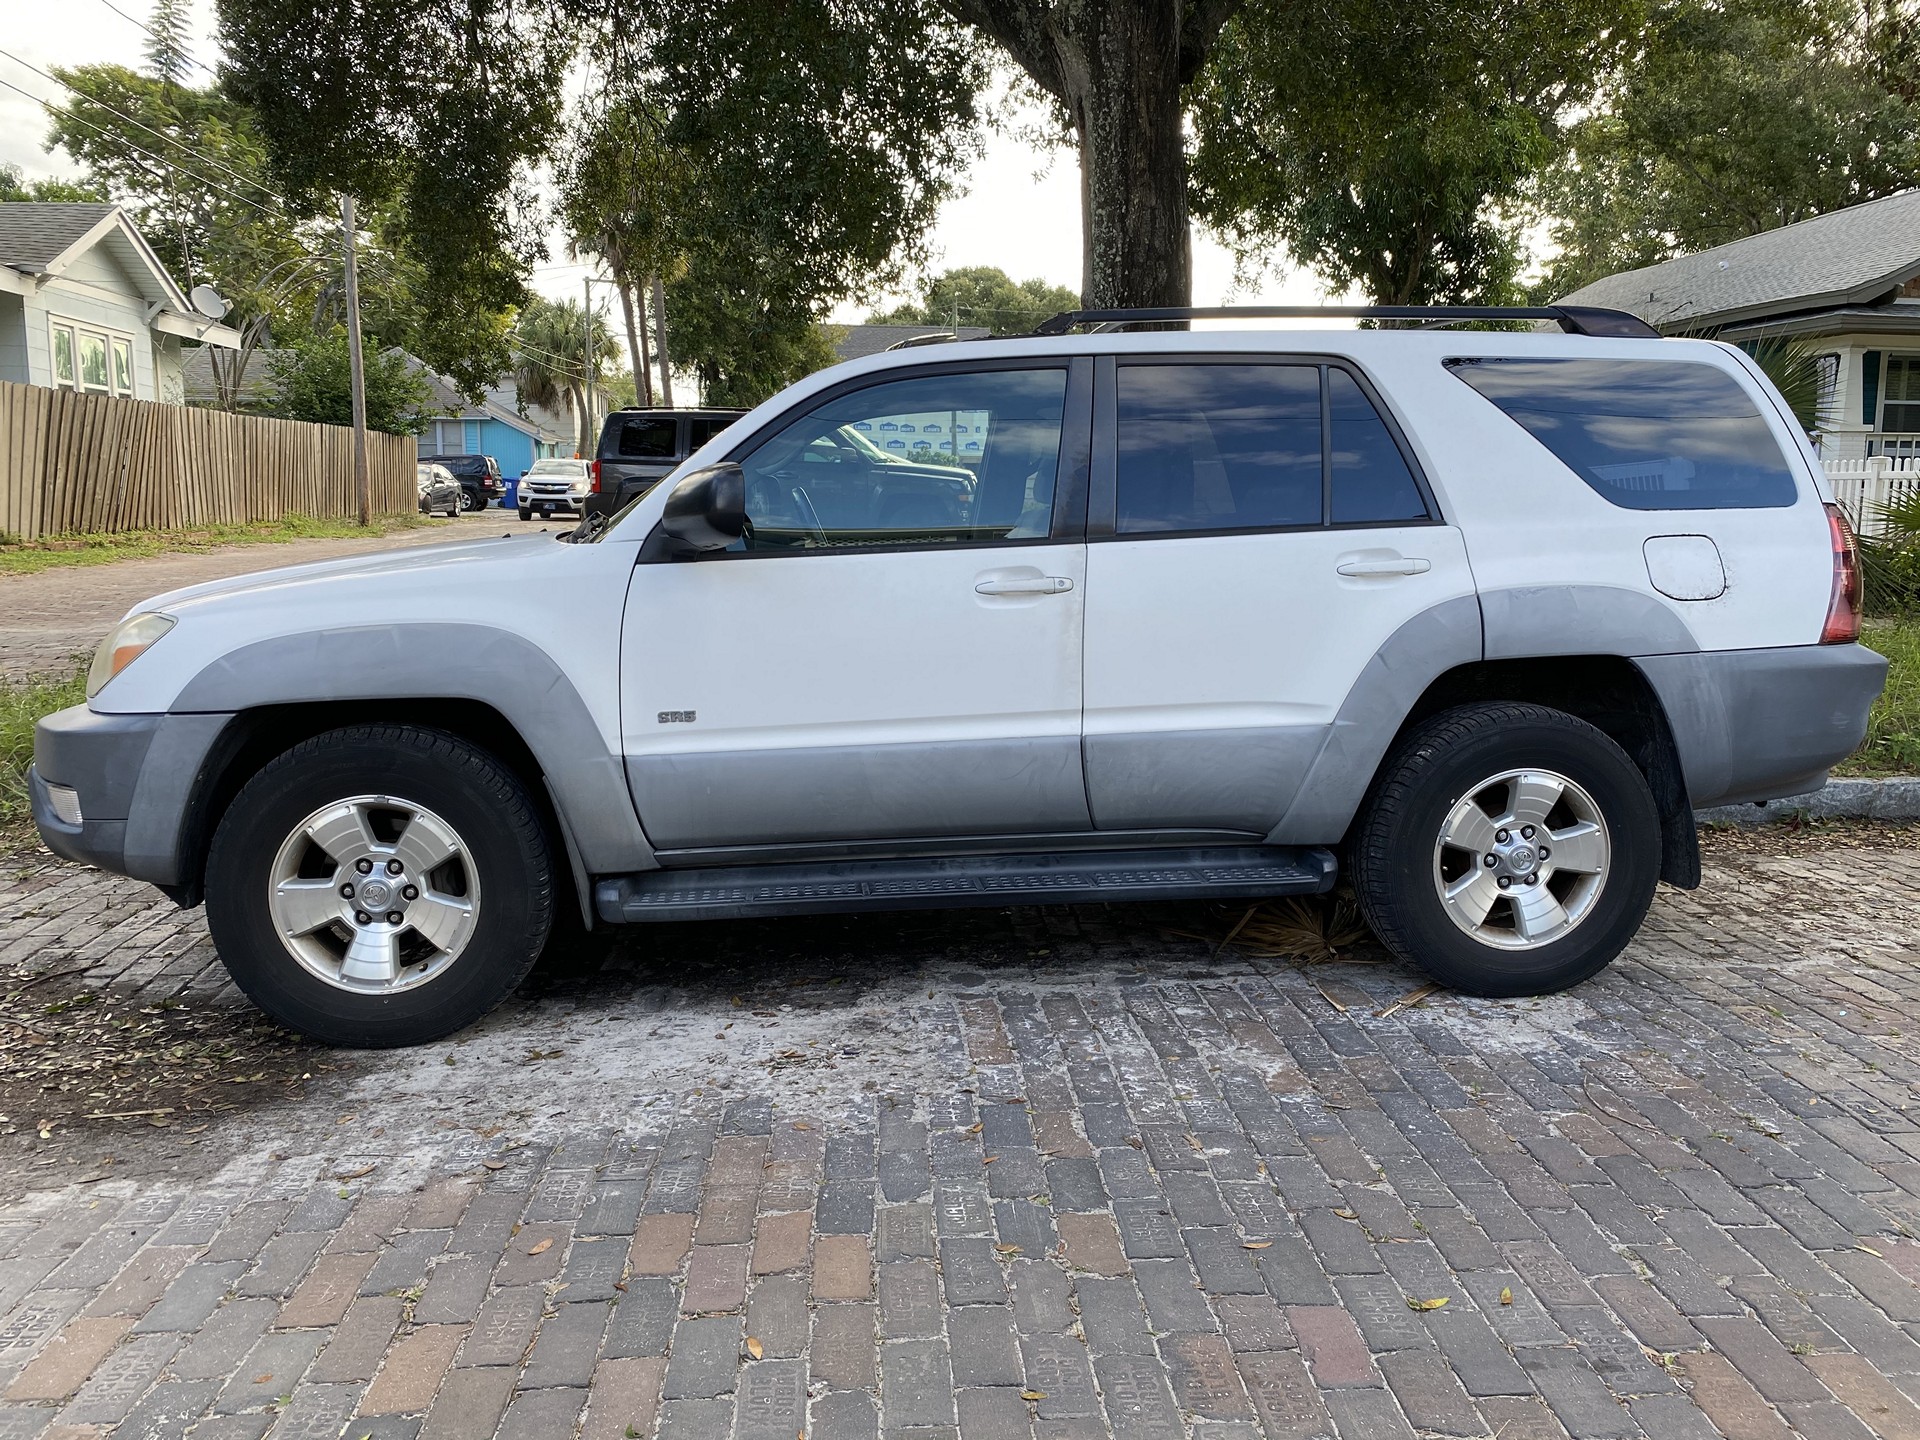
[130, 639]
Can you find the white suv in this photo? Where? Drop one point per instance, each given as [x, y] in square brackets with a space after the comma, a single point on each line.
[1110, 616]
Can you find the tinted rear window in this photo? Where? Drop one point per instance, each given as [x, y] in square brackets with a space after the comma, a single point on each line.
[1645, 434]
[702, 428]
[645, 439]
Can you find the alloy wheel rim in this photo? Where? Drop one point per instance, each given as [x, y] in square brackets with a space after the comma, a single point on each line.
[374, 894]
[1521, 859]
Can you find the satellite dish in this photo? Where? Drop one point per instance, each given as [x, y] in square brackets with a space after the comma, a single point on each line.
[207, 301]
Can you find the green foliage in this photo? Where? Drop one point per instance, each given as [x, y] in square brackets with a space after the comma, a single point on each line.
[431, 113]
[311, 379]
[1892, 746]
[762, 361]
[1730, 118]
[60, 192]
[556, 352]
[1381, 145]
[103, 547]
[1795, 368]
[982, 295]
[22, 703]
[168, 58]
[1890, 560]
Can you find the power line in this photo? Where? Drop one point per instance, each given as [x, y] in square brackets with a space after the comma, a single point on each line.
[157, 134]
[53, 109]
[156, 35]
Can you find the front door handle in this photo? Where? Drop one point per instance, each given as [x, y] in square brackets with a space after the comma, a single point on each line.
[1029, 585]
[1399, 565]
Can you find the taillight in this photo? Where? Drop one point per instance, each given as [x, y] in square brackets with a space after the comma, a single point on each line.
[1843, 606]
[593, 469]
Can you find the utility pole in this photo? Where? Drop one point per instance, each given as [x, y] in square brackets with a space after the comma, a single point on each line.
[362, 481]
[660, 342]
[588, 357]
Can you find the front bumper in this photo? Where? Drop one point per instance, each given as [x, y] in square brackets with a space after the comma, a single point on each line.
[1756, 725]
[135, 776]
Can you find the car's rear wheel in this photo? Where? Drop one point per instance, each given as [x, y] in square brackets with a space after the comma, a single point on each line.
[468, 500]
[380, 885]
[1507, 849]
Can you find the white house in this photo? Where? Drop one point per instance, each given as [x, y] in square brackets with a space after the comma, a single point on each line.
[86, 305]
[1847, 283]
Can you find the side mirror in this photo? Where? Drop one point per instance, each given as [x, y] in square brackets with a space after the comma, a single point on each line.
[707, 509]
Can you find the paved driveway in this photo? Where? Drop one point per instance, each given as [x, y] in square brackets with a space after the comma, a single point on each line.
[49, 618]
[1038, 1173]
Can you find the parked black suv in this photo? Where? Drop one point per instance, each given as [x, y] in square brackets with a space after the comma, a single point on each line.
[479, 477]
[638, 447]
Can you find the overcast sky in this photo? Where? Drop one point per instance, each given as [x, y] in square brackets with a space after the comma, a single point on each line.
[1020, 210]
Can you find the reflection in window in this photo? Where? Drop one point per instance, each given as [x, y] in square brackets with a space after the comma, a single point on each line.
[1218, 447]
[1645, 434]
[821, 483]
[122, 367]
[93, 361]
[64, 372]
[1371, 482]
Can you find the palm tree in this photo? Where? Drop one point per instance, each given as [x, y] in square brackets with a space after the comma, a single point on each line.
[549, 343]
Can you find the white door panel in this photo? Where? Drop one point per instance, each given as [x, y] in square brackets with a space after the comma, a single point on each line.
[855, 696]
[1216, 664]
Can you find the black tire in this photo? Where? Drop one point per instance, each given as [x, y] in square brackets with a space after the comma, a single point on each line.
[1392, 853]
[471, 791]
[526, 515]
[468, 501]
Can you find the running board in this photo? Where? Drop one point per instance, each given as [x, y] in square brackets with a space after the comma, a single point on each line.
[732, 892]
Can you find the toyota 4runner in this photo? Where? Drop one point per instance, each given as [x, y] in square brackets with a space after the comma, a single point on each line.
[1114, 616]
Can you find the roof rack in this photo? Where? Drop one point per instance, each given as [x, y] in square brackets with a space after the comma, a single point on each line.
[1574, 319]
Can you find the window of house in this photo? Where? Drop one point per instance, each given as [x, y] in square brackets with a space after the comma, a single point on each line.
[1900, 404]
[95, 362]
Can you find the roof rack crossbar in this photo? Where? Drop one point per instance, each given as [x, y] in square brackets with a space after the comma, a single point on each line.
[1574, 319]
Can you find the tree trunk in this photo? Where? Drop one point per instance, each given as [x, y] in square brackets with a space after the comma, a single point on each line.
[645, 377]
[1135, 247]
[1118, 66]
[660, 340]
[583, 417]
[636, 338]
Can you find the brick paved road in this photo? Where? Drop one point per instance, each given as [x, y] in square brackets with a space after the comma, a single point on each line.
[1041, 1174]
[48, 618]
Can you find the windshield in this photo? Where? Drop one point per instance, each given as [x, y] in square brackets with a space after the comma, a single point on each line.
[573, 468]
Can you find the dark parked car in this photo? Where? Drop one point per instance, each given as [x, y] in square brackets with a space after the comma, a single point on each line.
[638, 447]
[479, 477]
[439, 491]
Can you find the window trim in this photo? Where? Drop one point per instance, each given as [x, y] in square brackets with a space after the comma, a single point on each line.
[1071, 471]
[106, 334]
[1105, 508]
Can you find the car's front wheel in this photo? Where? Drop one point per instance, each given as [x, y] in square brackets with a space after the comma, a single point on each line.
[1507, 849]
[380, 885]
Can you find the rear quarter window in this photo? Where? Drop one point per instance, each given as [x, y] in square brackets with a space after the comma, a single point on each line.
[1644, 434]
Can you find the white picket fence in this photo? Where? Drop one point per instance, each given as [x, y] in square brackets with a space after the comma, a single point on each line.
[1865, 487]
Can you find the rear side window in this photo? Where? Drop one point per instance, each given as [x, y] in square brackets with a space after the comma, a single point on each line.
[1204, 447]
[647, 439]
[702, 428]
[1645, 434]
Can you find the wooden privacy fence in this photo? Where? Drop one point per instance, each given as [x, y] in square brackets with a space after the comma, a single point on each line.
[74, 463]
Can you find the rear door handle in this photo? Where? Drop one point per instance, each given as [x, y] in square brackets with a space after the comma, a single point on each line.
[1030, 585]
[1401, 565]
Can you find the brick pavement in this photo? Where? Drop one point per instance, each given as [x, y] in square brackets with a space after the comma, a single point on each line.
[1045, 1174]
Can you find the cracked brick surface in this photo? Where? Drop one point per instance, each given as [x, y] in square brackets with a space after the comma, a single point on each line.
[1041, 1173]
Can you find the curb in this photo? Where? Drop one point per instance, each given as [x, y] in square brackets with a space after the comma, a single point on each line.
[1897, 798]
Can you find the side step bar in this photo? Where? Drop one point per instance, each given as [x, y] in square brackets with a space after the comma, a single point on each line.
[736, 891]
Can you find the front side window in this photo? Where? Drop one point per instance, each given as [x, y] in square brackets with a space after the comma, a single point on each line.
[822, 483]
[1644, 434]
[651, 439]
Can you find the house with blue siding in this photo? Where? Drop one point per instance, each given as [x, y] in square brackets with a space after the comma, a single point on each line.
[86, 305]
[494, 427]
